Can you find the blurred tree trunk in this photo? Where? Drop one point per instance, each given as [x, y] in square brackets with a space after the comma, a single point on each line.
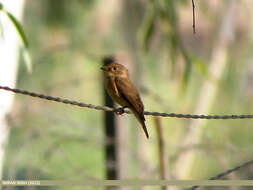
[122, 140]
[209, 90]
[9, 63]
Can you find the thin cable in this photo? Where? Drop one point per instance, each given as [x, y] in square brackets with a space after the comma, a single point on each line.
[225, 173]
[106, 108]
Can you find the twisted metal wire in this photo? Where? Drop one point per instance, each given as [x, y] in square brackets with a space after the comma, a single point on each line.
[106, 108]
[223, 174]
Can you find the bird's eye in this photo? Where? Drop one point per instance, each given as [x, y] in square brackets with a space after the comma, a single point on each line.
[114, 68]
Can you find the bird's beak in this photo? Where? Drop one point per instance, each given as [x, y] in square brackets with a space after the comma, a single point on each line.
[103, 68]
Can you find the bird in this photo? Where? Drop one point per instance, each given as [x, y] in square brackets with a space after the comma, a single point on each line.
[122, 90]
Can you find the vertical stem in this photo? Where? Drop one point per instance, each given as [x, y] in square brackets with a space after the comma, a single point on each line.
[162, 151]
[193, 17]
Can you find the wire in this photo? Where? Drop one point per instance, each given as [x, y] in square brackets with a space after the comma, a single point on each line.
[106, 108]
[223, 174]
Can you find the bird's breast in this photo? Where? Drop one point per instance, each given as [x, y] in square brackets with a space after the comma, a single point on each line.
[113, 91]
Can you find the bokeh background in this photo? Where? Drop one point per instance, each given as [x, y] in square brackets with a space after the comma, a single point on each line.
[210, 72]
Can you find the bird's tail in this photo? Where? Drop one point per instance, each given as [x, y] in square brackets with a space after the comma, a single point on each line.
[141, 119]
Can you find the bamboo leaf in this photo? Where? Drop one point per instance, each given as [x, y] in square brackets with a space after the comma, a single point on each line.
[27, 59]
[1, 25]
[149, 29]
[188, 66]
[18, 27]
[25, 52]
[1, 30]
[202, 67]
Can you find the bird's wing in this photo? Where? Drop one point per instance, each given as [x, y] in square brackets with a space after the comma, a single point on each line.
[130, 94]
[128, 91]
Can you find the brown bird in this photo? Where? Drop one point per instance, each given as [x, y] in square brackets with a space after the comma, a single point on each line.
[122, 90]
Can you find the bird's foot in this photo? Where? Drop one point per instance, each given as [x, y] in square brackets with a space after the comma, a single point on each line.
[120, 111]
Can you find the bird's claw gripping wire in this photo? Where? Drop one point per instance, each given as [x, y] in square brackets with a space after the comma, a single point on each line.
[120, 111]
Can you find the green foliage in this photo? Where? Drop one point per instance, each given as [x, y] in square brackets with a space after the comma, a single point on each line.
[149, 28]
[164, 13]
[21, 33]
[1, 30]
[18, 28]
[16, 24]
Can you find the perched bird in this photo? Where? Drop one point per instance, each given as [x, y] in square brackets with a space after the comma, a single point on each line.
[122, 90]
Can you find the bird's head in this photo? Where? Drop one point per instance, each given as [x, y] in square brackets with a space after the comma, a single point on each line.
[115, 69]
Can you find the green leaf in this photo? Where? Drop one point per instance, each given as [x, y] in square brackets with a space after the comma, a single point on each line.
[168, 11]
[27, 59]
[149, 27]
[173, 40]
[1, 30]
[202, 67]
[1, 25]
[18, 28]
[188, 65]
[188, 68]
[25, 52]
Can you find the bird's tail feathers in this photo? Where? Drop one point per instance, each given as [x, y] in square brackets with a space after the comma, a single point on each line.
[141, 119]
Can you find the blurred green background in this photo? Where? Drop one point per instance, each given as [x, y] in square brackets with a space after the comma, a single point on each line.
[210, 72]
